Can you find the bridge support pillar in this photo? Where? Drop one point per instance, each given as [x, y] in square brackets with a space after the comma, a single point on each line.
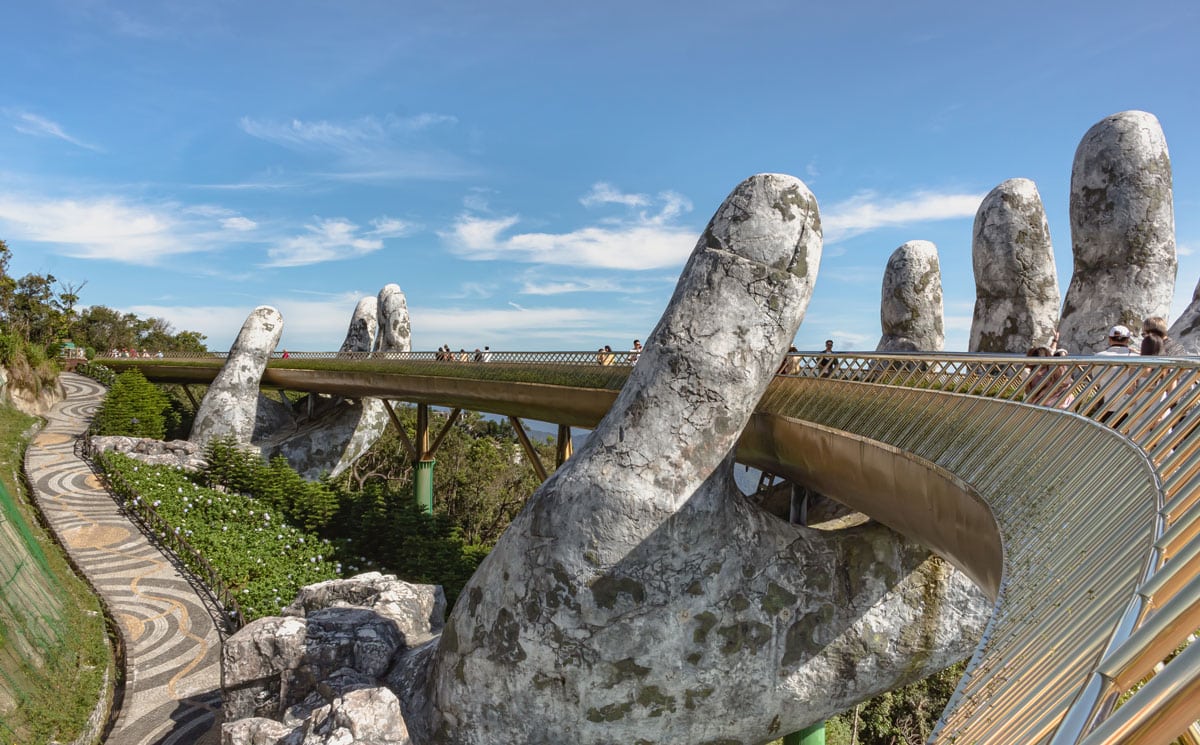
[814, 735]
[423, 484]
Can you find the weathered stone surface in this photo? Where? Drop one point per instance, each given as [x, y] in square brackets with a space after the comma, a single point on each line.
[1016, 284]
[34, 403]
[1186, 329]
[319, 670]
[418, 611]
[176, 453]
[255, 662]
[1122, 230]
[395, 331]
[911, 303]
[254, 731]
[364, 325]
[228, 408]
[639, 593]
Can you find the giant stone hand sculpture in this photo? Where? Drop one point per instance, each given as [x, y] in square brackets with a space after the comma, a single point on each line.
[910, 308]
[639, 597]
[1122, 230]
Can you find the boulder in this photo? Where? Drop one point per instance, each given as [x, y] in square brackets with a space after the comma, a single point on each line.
[911, 303]
[1122, 231]
[319, 672]
[1016, 284]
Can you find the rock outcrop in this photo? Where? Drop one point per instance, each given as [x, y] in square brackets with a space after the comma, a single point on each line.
[1016, 284]
[183, 454]
[911, 304]
[1122, 230]
[316, 676]
[230, 406]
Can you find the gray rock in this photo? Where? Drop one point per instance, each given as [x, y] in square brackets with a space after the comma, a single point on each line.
[395, 331]
[255, 664]
[639, 594]
[1016, 284]
[911, 303]
[255, 731]
[319, 670]
[418, 611]
[175, 453]
[1122, 230]
[364, 325]
[228, 408]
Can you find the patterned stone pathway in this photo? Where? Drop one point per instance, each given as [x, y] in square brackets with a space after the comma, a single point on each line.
[172, 649]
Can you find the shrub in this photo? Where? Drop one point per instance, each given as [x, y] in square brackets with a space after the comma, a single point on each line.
[134, 407]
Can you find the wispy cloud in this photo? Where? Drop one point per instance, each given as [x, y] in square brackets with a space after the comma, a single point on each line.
[239, 223]
[105, 228]
[31, 124]
[867, 211]
[644, 240]
[604, 193]
[368, 148]
[573, 285]
[332, 240]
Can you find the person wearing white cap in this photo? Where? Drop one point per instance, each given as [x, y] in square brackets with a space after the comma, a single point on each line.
[1113, 382]
[1118, 343]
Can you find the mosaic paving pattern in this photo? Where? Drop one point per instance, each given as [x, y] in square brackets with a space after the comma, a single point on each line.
[172, 688]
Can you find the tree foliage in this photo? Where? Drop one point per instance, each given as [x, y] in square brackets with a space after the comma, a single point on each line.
[134, 407]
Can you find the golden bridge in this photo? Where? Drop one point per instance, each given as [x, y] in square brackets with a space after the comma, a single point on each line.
[1068, 489]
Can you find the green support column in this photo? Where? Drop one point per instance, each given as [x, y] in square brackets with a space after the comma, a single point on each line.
[814, 735]
[423, 485]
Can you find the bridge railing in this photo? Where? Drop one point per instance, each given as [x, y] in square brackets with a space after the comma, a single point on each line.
[1113, 466]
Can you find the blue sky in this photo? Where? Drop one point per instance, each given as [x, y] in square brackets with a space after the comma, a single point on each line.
[533, 174]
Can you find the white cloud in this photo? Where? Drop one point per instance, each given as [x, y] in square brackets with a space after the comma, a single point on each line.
[604, 193]
[1184, 249]
[563, 287]
[102, 228]
[865, 212]
[239, 223]
[325, 240]
[643, 241]
[32, 124]
[386, 227]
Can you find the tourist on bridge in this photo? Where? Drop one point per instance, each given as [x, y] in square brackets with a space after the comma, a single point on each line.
[1156, 326]
[1117, 383]
[826, 364]
[635, 352]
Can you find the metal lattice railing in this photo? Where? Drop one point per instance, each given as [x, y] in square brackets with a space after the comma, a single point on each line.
[1089, 467]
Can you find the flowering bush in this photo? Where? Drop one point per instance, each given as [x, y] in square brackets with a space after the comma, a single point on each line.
[260, 558]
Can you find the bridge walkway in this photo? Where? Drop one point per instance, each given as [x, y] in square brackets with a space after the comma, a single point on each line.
[1068, 490]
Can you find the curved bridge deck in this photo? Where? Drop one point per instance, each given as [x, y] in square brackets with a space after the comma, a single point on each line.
[1067, 488]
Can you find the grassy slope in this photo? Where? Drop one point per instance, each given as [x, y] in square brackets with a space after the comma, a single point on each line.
[57, 696]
